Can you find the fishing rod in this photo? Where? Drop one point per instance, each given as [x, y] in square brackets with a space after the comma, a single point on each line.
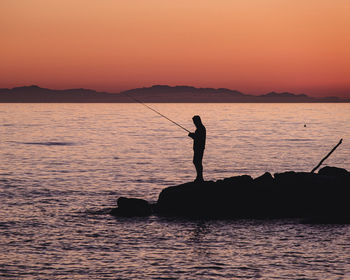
[160, 114]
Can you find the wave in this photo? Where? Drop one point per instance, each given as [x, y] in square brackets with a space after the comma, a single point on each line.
[103, 211]
[49, 143]
[299, 140]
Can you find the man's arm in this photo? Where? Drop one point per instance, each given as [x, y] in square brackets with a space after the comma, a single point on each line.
[192, 135]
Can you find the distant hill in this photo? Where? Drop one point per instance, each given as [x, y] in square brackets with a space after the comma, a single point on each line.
[35, 94]
[157, 93]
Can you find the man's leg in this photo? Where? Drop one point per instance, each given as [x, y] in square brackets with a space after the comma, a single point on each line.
[197, 161]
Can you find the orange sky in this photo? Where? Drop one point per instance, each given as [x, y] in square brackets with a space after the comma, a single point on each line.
[254, 46]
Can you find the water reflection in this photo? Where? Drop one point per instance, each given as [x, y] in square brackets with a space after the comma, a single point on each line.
[197, 239]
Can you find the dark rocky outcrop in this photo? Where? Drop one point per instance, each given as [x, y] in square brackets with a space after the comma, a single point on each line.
[312, 197]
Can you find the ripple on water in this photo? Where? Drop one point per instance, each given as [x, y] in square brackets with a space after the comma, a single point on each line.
[50, 143]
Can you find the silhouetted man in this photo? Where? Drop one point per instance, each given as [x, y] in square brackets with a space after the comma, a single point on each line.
[198, 146]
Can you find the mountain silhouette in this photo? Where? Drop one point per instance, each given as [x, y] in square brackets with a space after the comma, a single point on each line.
[156, 94]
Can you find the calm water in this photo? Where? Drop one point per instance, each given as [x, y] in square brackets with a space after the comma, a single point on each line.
[64, 165]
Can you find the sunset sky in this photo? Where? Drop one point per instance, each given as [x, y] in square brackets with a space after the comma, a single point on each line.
[254, 46]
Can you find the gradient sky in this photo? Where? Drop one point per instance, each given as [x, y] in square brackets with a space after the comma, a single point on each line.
[254, 46]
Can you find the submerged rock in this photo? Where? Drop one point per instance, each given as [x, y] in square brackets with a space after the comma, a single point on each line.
[130, 207]
[308, 196]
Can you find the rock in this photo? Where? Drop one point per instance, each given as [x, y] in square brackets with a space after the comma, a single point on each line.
[129, 207]
[266, 179]
[288, 195]
[190, 199]
[207, 199]
[333, 171]
[303, 195]
[239, 180]
[327, 219]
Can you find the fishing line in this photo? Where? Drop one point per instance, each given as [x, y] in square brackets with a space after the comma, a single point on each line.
[160, 114]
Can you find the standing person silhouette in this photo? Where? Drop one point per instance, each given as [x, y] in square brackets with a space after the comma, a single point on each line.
[198, 146]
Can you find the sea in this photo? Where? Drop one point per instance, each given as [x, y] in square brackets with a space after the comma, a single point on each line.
[63, 167]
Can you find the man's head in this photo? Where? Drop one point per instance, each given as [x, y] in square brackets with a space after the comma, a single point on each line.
[197, 120]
